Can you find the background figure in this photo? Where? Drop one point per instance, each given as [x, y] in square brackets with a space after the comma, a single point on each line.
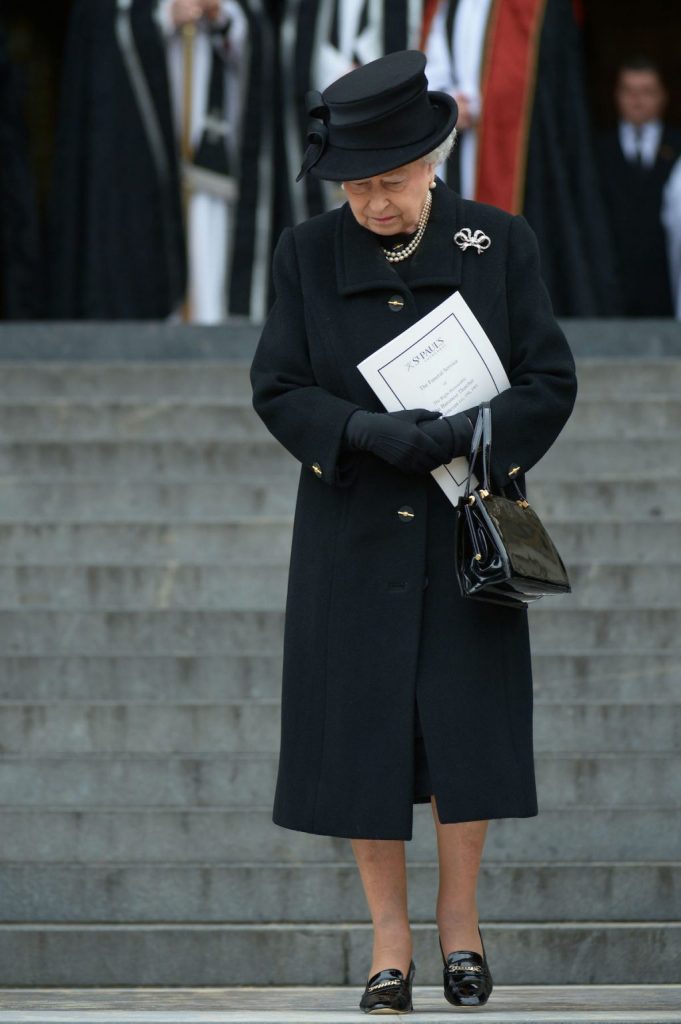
[454, 48]
[349, 34]
[671, 220]
[116, 239]
[216, 96]
[250, 287]
[636, 160]
[319, 41]
[534, 153]
[20, 295]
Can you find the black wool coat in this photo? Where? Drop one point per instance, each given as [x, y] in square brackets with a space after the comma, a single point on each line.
[375, 624]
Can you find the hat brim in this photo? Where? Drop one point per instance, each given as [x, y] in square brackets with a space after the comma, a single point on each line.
[336, 164]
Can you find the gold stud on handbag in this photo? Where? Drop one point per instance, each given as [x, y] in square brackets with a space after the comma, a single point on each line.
[503, 553]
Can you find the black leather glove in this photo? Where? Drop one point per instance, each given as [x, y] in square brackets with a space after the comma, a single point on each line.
[452, 433]
[396, 438]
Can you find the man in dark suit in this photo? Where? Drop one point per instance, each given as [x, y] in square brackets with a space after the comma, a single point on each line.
[635, 161]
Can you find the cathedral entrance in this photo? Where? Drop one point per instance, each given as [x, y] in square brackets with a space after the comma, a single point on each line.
[616, 30]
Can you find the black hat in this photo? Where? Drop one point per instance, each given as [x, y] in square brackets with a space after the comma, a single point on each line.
[375, 118]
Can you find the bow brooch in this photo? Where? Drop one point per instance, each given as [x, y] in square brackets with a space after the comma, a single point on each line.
[480, 241]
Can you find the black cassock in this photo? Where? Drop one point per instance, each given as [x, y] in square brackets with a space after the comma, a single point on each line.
[260, 167]
[116, 245]
[20, 292]
[563, 202]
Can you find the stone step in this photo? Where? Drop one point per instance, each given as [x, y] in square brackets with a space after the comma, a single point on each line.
[152, 835]
[262, 540]
[554, 627]
[218, 379]
[153, 379]
[607, 499]
[234, 417]
[140, 587]
[285, 892]
[197, 779]
[623, 416]
[186, 460]
[590, 952]
[625, 675]
[236, 586]
[613, 378]
[643, 541]
[74, 419]
[105, 500]
[326, 1004]
[143, 342]
[238, 725]
[622, 586]
[161, 460]
[610, 459]
[110, 500]
[267, 539]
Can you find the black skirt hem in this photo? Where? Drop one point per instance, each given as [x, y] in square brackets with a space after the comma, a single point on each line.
[344, 834]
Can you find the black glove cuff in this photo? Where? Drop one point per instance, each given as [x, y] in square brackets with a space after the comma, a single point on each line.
[462, 433]
[354, 433]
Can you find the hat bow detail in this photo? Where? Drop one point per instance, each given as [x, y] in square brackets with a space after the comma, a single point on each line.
[317, 133]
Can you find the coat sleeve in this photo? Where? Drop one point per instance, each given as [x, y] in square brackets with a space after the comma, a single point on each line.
[307, 419]
[528, 417]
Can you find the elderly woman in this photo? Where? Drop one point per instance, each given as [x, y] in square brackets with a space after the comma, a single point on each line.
[397, 690]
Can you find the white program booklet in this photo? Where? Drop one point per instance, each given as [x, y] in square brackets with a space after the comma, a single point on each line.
[444, 362]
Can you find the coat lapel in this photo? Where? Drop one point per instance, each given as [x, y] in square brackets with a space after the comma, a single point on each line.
[362, 267]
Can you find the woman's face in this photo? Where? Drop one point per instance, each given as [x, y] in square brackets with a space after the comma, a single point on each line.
[391, 202]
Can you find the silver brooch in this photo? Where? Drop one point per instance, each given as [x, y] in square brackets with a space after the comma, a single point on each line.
[466, 238]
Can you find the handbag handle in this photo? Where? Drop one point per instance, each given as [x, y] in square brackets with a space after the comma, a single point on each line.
[482, 432]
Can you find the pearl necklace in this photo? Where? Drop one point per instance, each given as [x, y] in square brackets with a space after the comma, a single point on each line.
[395, 257]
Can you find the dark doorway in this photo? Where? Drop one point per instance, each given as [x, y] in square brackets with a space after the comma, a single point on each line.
[35, 41]
[615, 30]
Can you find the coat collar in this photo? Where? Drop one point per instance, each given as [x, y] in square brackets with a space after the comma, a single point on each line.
[362, 267]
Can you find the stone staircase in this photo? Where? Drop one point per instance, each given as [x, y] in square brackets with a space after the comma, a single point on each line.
[145, 517]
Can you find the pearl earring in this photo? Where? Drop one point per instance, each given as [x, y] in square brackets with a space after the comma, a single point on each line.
[432, 184]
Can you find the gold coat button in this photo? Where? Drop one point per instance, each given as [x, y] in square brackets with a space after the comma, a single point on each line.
[396, 302]
[405, 514]
[317, 468]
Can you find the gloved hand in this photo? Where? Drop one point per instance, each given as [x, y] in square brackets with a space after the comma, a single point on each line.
[452, 433]
[396, 438]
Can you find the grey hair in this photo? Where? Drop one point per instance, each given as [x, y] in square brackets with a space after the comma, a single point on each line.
[441, 152]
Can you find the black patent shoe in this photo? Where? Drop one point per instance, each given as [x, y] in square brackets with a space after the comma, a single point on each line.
[388, 991]
[467, 977]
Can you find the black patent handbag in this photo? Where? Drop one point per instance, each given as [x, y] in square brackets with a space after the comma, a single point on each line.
[503, 553]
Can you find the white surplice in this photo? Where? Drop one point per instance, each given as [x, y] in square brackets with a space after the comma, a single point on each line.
[210, 217]
[671, 219]
[454, 66]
